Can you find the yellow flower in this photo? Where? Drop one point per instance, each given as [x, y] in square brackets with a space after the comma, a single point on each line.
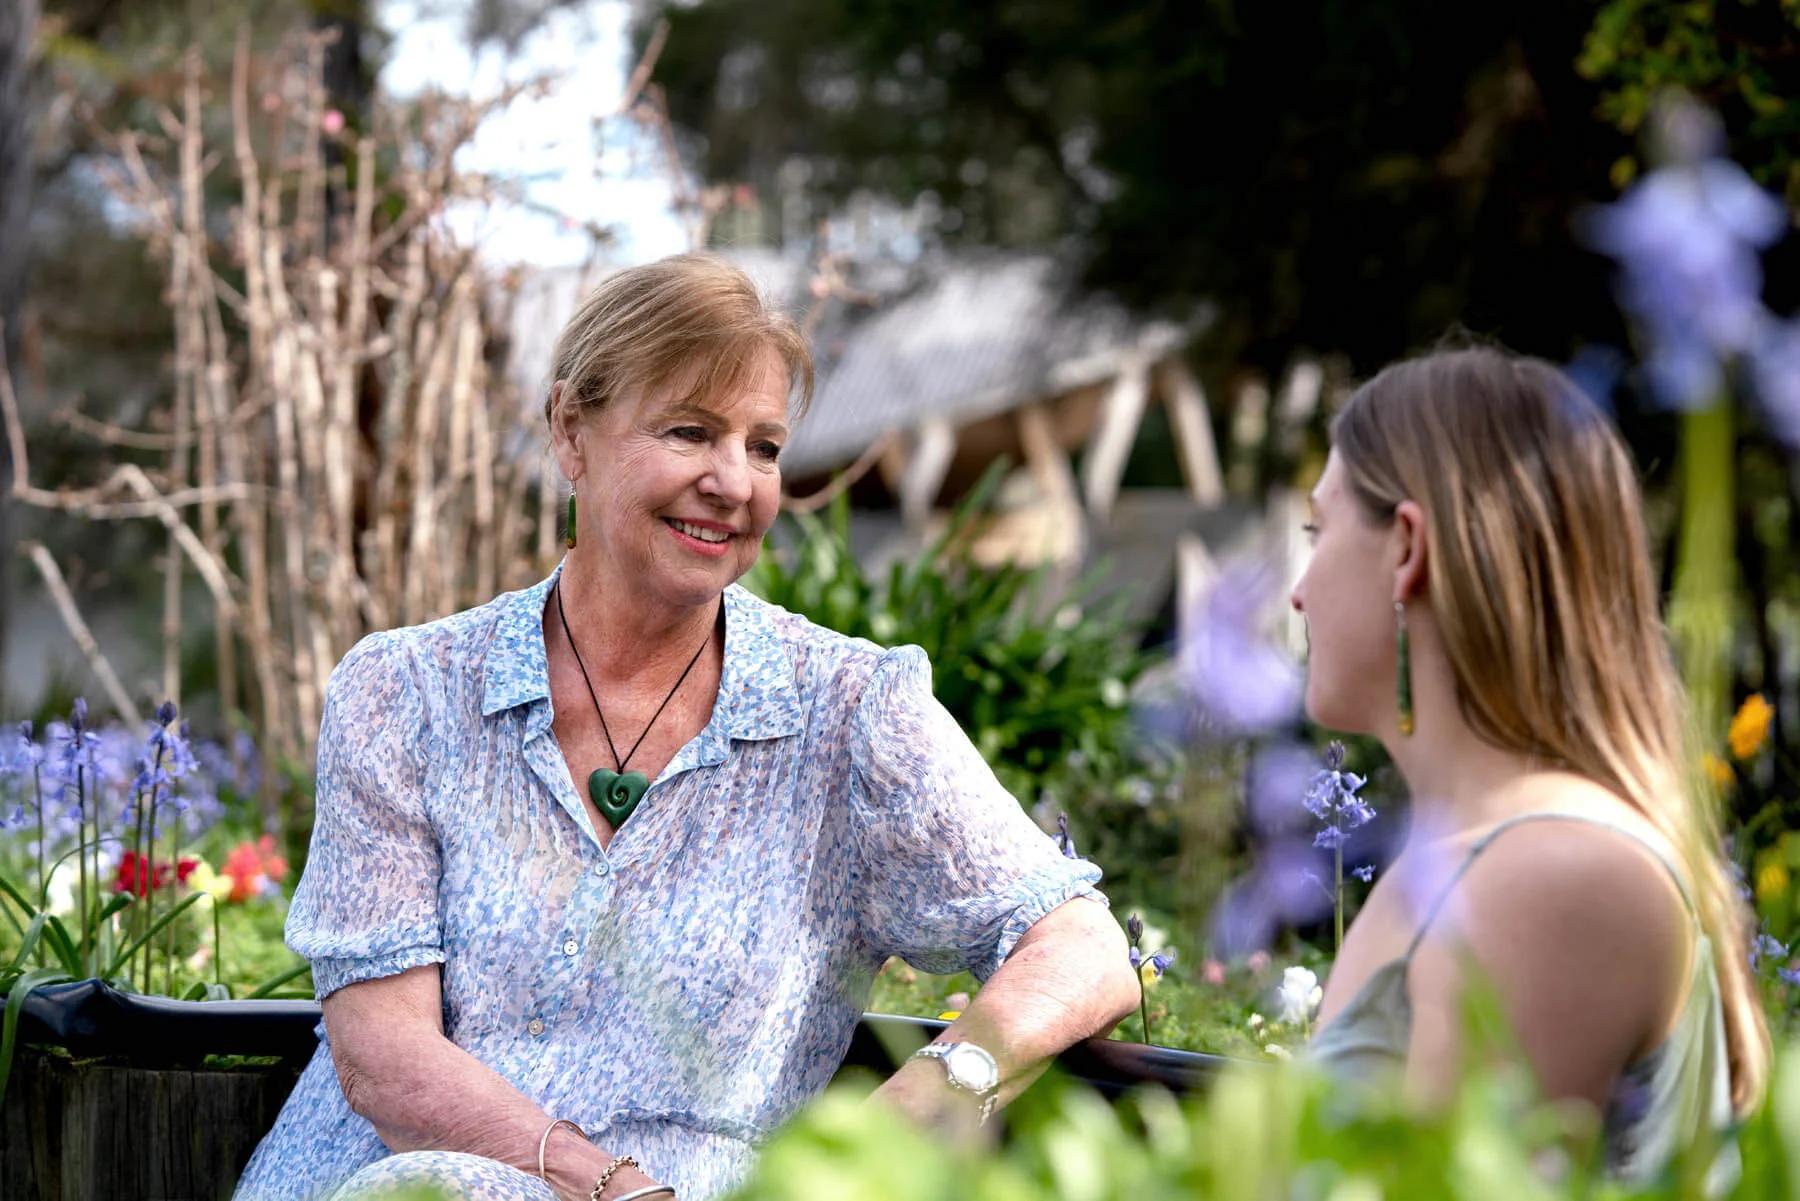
[1771, 881]
[949, 1015]
[1149, 975]
[1751, 726]
[204, 879]
[1718, 771]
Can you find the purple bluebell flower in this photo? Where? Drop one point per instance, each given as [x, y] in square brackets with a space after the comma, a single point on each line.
[1365, 873]
[1134, 928]
[1159, 962]
[1239, 681]
[1332, 799]
[1765, 945]
[1065, 841]
[1789, 975]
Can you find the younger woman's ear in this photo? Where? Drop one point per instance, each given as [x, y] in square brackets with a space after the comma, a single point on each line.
[1411, 571]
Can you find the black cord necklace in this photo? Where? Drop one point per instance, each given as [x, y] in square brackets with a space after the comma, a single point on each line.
[617, 792]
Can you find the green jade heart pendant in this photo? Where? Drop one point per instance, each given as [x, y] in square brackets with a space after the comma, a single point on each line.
[617, 795]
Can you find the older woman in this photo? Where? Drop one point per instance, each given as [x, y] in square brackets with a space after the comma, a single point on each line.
[603, 869]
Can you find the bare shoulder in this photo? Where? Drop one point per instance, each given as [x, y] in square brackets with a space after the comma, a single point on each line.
[1569, 917]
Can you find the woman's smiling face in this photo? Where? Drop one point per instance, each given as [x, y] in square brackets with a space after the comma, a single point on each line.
[676, 491]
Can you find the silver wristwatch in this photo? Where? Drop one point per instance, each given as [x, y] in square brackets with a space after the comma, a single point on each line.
[970, 1069]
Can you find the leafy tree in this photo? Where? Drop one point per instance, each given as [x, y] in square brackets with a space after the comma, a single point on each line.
[1350, 176]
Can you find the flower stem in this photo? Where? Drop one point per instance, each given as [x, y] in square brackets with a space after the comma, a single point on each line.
[81, 851]
[218, 944]
[175, 875]
[37, 788]
[1144, 1008]
[1701, 600]
[146, 849]
[1337, 898]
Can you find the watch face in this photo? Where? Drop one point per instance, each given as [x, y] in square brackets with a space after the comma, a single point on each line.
[972, 1069]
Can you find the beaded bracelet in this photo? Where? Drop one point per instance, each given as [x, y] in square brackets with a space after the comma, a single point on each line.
[544, 1142]
[624, 1161]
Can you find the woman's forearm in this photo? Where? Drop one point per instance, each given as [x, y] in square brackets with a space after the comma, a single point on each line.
[422, 1092]
[1069, 978]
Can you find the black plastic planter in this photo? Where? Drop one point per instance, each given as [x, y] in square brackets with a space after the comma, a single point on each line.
[111, 1096]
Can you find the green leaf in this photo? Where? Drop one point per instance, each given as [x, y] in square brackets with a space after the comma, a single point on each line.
[269, 986]
[123, 957]
[15, 1003]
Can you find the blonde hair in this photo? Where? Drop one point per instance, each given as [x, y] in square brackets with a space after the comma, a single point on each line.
[690, 320]
[1541, 582]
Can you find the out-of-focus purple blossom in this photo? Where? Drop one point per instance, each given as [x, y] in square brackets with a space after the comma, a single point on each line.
[1739, 878]
[1331, 797]
[1283, 889]
[237, 767]
[1065, 841]
[1239, 680]
[1765, 945]
[1596, 371]
[1789, 975]
[1687, 238]
[1775, 374]
[1365, 873]
[1134, 928]
[1278, 776]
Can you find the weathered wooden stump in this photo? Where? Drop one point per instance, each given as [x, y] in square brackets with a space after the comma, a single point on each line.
[90, 1130]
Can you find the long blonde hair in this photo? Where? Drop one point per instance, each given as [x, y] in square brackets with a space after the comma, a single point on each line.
[1541, 582]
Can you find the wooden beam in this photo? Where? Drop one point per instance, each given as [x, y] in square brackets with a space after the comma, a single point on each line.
[1192, 423]
[934, 446]
[1194, 574]
[1044, 455]
[1120, 415]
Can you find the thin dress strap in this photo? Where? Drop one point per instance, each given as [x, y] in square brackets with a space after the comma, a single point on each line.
[1486, 840]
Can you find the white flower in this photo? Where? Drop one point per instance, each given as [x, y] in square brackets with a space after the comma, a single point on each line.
[1298, 995]
[1277, 1051]
[1256, 1021]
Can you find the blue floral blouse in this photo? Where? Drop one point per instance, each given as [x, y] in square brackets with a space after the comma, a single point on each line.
[682, 992]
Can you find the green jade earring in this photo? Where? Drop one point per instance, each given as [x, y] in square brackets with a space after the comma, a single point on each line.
[1403, 685]
[569, 526]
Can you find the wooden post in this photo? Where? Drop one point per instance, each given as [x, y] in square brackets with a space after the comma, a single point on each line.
[1120, 415]
[1192, 423]
[934, 446]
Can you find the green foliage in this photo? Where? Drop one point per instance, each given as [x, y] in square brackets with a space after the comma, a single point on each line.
[1259, 1132]
[1354, 177]
[1739, 56]
[1040, 683]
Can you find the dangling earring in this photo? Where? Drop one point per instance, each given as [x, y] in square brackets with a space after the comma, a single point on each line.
[1404, 683]
[569, 530]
